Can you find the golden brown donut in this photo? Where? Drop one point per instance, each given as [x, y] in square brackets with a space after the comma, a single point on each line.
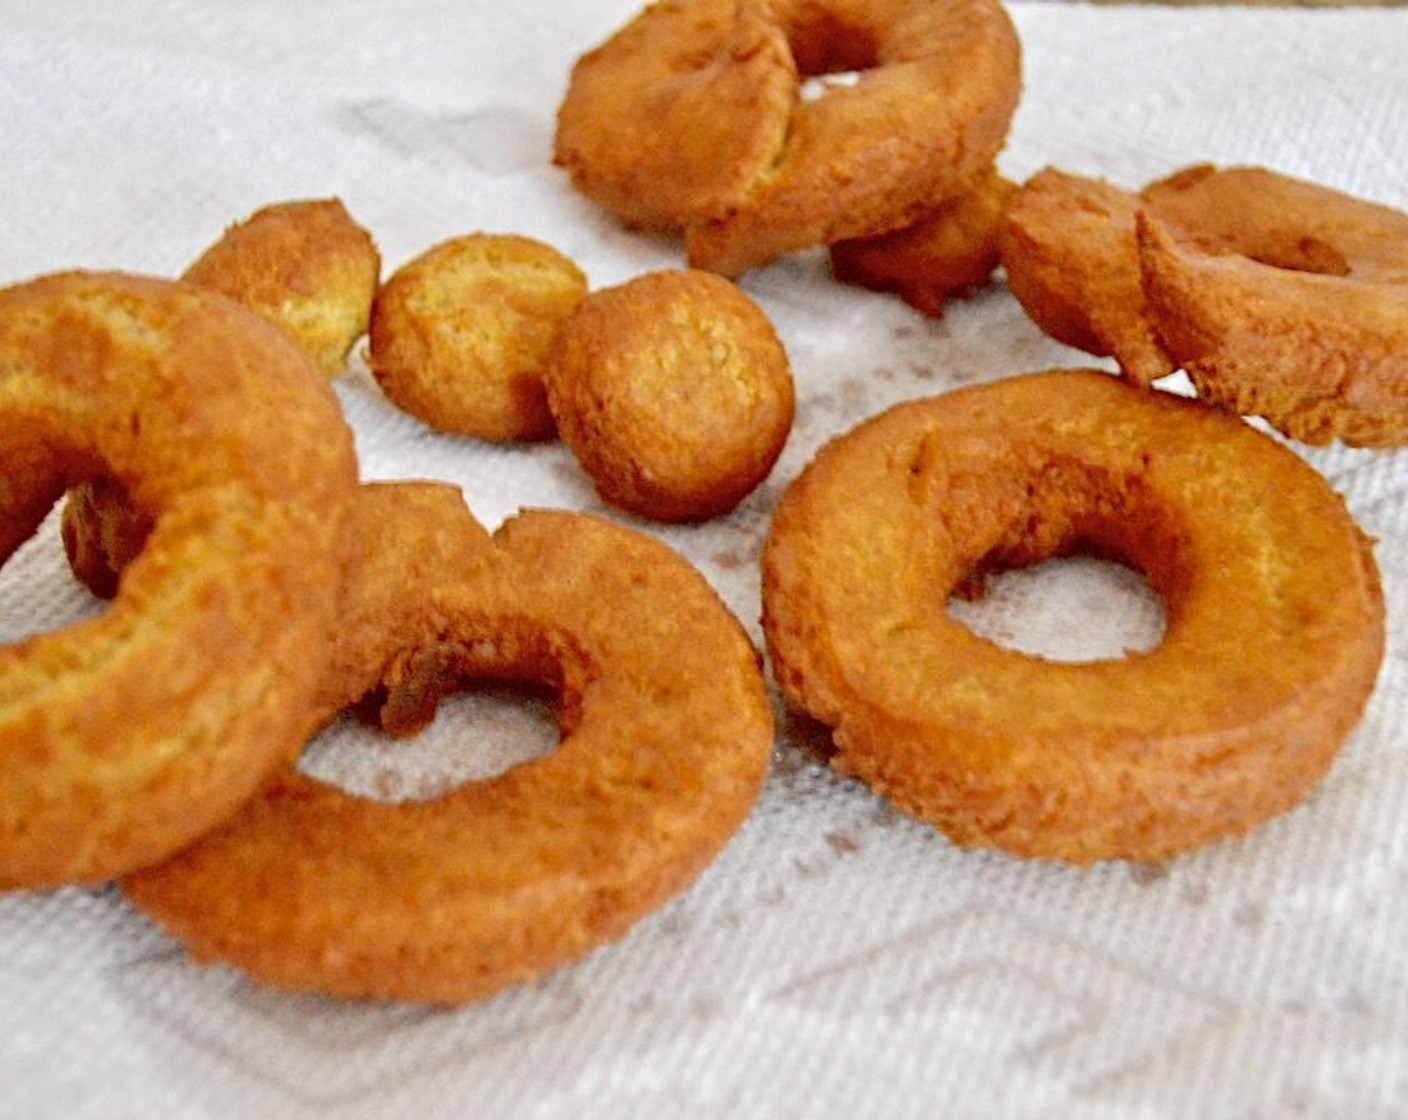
[945, 255]
[126, 736]
[1274, 616]
[693, 116]
[460, 334]
[306, 265]
[1068, 248]
[674, 393]
[666, 737]
[1283, 299]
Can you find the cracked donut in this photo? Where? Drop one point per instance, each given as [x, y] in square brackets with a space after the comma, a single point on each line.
[666, 732]
[765, 169]
[306, 265]
[945, 255]
[1274, 632]
[673, 392]
[1283, 299]
[126, 736]
[460, 334]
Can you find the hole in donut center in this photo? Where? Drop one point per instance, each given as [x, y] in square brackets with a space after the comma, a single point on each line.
[38, 594]
[477, 733]
[1305, 254]
[1072, 609]
[830, 53]
[1286, 252]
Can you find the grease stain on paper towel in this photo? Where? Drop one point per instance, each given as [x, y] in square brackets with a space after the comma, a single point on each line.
[496, 139]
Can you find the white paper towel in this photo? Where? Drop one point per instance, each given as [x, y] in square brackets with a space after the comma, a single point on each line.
[839, 959]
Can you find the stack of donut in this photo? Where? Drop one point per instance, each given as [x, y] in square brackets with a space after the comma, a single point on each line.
[257, 590]
[696, 117]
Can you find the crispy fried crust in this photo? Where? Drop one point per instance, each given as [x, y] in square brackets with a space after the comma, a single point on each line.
[126, 736]
[1274, 617]
[666, 738]
[460, 334]
[673, 392]
[305, 265]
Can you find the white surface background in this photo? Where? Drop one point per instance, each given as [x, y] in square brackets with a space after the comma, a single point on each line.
[839, 960]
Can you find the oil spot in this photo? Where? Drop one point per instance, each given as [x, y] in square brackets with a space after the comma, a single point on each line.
[1249, 916]
[841, 843]
[1194, 894]
[730, 560]
[1147, 874]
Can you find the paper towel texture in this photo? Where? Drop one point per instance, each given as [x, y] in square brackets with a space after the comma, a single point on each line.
[839, 960]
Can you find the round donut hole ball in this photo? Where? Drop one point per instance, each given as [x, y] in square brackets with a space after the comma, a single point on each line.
[459, 335]
[674, 393]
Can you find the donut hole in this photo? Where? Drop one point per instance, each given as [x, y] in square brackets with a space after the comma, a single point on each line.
[37, 594]
[824, 42]
[830, 52]
[1301, 254]
[476, 733]
[1075, 609]
[1275, 249]
[1068, 562]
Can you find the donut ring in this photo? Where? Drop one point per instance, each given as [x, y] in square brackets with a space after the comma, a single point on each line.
[460, 335]
[1274, 616]
[667, 737]
[673, 392]
[126, 736]
[945, 255]
[939, 84]
[305, 265]
[1283, 299]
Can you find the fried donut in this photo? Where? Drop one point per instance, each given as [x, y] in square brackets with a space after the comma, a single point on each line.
[693, 117]
[460, 334]
[667, 734]
[674, 393]
[1068, 248]
[126, 736]
[1274, 612]
[945, 255]
[305, 265]
[1283, 299]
